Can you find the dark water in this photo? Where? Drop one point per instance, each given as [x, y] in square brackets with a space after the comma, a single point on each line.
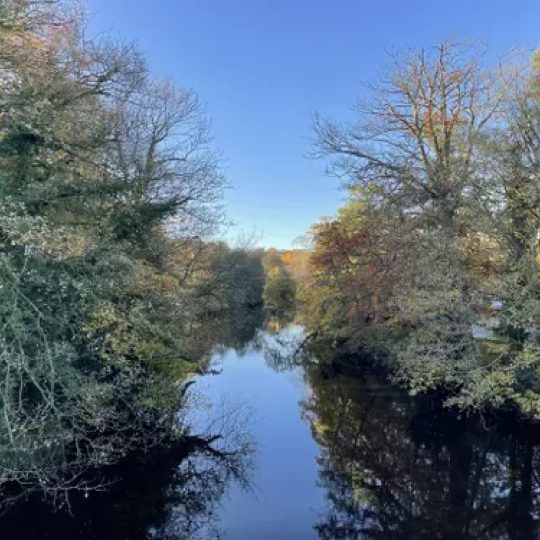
[313, 452]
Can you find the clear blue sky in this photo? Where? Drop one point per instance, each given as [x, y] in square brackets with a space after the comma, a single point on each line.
[262, 67]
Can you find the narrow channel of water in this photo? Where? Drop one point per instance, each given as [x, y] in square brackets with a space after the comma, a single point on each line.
[312, 452]
[283, 499]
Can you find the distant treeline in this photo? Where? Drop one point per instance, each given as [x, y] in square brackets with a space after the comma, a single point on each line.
[283, 270]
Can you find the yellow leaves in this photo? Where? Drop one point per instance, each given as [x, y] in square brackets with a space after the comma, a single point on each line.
[108, 329]
[273, 272]
[120, 338]
[320, 427]
[535, 76]
[483, 254]
[21, 43]
[529, 402]
[536, 62]
[71, 244]
[150, 350]
[148, 279]
[105, 322]
[274, 325]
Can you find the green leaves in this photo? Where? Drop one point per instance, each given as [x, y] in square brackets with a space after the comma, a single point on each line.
[280, 293]
[441, 223]
[100, 318]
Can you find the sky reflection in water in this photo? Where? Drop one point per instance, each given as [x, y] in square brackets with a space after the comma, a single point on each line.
[319, 451]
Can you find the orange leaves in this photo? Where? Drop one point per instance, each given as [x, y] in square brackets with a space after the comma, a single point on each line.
[439, 120]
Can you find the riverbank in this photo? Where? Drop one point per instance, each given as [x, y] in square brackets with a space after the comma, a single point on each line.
[301, 452]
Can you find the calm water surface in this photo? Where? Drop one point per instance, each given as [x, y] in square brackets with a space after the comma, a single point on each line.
[312, 452]
[284, 498]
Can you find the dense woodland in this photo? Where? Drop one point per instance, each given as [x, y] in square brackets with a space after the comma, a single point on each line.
[109, 192]
[114, 288]
[431, 267]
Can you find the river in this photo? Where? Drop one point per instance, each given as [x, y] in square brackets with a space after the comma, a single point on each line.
[309, 450]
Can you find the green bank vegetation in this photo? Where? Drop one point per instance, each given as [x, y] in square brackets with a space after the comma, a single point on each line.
[109, 187]
[111, 287]
[438, 241]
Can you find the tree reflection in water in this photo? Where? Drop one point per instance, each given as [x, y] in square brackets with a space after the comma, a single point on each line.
[170, 493]
[392, 466]
[397, 467]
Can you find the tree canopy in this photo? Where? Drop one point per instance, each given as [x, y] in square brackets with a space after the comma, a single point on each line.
[109, 190]
[440, 229]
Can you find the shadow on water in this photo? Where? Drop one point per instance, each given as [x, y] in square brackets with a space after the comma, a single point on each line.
[388, 466]
[168, 494]
[399, 467]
